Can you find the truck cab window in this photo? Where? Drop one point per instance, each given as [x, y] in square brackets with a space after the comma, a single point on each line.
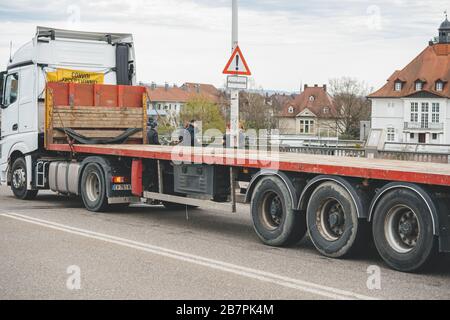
[11, 89]
[2, 79]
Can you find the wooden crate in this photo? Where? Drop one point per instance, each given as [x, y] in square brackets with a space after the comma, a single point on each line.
[95, 111]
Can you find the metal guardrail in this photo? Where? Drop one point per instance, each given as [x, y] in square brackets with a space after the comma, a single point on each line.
[414, 156]
[437, 153]
[326, 151]
[417, 147]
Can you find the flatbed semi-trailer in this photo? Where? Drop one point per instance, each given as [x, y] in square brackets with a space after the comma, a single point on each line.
[335, 199]
[89, 139]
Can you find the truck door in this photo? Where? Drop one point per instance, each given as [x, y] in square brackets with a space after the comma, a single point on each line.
[27, 102]
[10, 105]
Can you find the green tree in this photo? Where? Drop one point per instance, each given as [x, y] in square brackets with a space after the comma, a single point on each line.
[202, 109]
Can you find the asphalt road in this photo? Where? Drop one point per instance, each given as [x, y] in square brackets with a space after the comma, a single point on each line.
[52, 248]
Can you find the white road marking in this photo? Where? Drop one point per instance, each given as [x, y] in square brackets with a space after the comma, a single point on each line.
[263, 276]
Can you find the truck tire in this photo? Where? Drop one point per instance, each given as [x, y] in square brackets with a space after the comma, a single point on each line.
[93, 188]
[403, 231]
[333, 224]
[275, 221]
[19, 181]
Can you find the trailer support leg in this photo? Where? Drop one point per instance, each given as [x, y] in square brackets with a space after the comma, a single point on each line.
[233, 189]
[160, 177]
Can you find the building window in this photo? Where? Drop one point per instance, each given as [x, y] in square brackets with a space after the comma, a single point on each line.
[439, 86]
[412, 136]
[425, 115]
[306, 126]
[435, 136]
[435, 113]
[311, 98]
[159, 106]
[390, 134]
[326, 110]
[414, 112]
[419, 86]
[398, 86]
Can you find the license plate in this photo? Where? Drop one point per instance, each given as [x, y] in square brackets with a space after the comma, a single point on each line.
[121, 187]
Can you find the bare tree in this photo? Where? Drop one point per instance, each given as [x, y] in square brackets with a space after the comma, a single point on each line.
[352, 106]
[256, 112]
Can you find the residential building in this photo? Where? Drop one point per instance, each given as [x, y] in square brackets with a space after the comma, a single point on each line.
[312, 113]
[414, 106]
[168, 101]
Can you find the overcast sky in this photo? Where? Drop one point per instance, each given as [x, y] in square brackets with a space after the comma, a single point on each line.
[286, 42]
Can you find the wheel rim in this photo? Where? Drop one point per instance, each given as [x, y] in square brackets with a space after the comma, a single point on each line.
[19, 178]
[93, 186]
[271, 213]
[402, 229]
[330, 220]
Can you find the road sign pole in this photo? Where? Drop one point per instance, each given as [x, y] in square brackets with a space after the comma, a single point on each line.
[235, 29]
[234, 115]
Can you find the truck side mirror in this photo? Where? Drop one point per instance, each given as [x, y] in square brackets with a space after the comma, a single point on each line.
[2, 85]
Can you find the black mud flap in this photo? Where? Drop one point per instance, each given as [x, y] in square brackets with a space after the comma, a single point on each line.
[122, 60]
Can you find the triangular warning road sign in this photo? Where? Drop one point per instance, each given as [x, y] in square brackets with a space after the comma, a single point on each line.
[237, 64]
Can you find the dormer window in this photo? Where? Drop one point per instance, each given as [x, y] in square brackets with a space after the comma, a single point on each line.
[398, 86]
[326, 110]
[291, 110]
[419, 85]
[439, 86]
[311, 98]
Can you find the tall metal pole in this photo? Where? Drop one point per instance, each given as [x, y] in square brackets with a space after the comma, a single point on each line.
[235, 30]
[234, 115]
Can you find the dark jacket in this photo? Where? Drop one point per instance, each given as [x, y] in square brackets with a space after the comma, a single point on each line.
[191, 130]
[152, 137]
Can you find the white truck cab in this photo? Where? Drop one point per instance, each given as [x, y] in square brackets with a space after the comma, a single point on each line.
[22, 87]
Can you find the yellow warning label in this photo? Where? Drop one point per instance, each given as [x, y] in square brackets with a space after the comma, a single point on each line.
[75, 76]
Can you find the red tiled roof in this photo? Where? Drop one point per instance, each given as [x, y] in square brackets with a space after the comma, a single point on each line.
[184, 93]
[206, 90]
[171, 94]
[431, 65]
[322, 100]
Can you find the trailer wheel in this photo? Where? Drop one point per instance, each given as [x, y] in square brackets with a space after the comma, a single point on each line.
[19, 181]
[333, 223]
[93, 188]
[274, 220]
[403, 231]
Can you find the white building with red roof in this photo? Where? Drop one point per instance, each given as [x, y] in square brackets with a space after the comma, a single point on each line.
[168, 101]
[414, 106]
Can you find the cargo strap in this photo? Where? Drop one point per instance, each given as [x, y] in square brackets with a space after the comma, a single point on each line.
[85, 140]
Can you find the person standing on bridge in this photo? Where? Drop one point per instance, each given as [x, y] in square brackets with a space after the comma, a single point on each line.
[152, 133]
